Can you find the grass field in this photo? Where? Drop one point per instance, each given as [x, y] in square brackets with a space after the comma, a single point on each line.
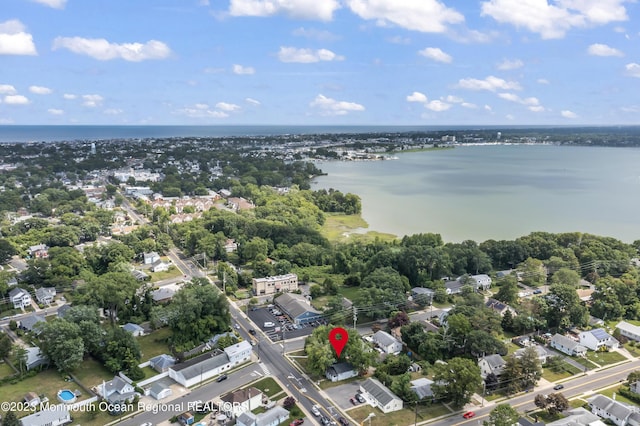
[268, 386]
[91, 373]
[633, 350]
[6, 370]
[604, 358]
[610, 391]
[405, 416]
[342, 227]
[154, 344]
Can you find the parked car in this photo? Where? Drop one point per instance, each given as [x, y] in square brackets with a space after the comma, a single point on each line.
[343, 421]
[252, 331]
[315, 410]
[468, 414]
[221, 378]
[360, 398]
[538, 291]
[296, 422]
[353, 401]
[324, 420]
[558, 387]
[269, 324]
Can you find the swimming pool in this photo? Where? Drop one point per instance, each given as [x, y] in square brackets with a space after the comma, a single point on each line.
[66, 396]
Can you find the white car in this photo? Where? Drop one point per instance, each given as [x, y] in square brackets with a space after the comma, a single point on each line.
[269, 324]
[315, 411]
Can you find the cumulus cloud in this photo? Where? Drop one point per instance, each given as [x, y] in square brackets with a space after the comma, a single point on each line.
[240, 70]
[453, 99]
[69, 96]
[599, 49]
[437, 105]
[224, 106]
[40, 90]
[507, 64]
[568, 114]
[542, 81]
[196, 112]
[429, 16]
[56, 4]
[436, 54]
[55, 111]
[469, 105]
[92, 101]
[7, 89]
[252, 101]
[490, 83]
[300, 9]
[14, 40]
[417, 97]
[103, 50]
[555, 19]
[399, 40]
[532, 103]
[633, 69]
[306, 56]
[113, 111]
[328, 106]
[312, 33]
[16, 100]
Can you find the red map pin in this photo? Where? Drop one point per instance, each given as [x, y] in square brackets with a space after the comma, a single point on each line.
[338, 338]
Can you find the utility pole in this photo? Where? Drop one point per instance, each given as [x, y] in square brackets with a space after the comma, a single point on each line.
[355, 316]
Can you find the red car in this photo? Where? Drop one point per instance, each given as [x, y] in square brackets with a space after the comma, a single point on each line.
[468, 414]
[296, 422]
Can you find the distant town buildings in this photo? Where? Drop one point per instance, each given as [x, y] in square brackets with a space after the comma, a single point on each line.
[275, 284]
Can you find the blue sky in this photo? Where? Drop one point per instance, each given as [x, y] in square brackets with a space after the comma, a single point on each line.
[395, 62]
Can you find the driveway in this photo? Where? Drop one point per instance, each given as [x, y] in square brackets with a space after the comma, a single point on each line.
[342, 393]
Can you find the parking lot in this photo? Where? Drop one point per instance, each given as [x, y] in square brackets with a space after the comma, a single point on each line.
[342, 394]
[282, 324]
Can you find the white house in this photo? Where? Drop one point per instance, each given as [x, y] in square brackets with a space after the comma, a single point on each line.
[422, 387]
[55, 416]
[134, 329]
[378, 395]
[272, 417]
[491, 364]
[540, 351]
[45, 295]
[482, 281]
[386, 342]
[117, 390]
[161, 363]
[160, 391]
[159, 266]
[150, 258]
[567, 346]
[597, 338]
[615, 411]
[340, 371]
[629, 331]
[241, 400]
[20, 298]
[238, 353]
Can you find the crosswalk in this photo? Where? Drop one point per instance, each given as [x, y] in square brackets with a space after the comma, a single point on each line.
[265, 369]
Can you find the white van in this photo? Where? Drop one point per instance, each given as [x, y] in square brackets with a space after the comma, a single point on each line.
[268, 324]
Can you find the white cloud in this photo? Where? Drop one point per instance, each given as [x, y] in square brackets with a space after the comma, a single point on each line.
[437, 106]
[532, 103]
[321, 10]
[312, 33]
[542, 81]
[113, 111]
[488, 108]
[429, 16]
[7, 89]
[307, 56]
[40, 90]
[240, 70]
[201, 106]
[69, 96]
[568, 114]
[224, 106]
[417, 97]
[633, 69]
[56, 4]
[6, 120]
[328, 106]
[436, 54]
[92, 101]
[196, 112]
[599, 49]
[490, 83]
[469, 105]
[399, 40]
[14, 40]
[54, 111]
[103, 50]
[453, 99]
[554, 20]
[510, 117]
[252, 101]
[16, 100]
[507, 64]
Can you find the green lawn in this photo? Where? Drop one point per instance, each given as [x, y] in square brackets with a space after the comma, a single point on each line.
[585, 362]
[6, 370]
[342, 227]
[91, 373]
[148, 372]
[633, 350]
[405, 416]
[268, 386]
[155, 343]
[605, 358]
[173, 272]
[610, 391]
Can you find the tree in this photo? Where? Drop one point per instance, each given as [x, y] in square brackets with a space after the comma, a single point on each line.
[503, 415]
[320, 354]
[383, 290]
[121, 351]
[5, 345]
[399, 319]
[111, 291]
[6, 250]
[456, 380]
[289, 402]
[507, 321]
[508, 292]
[21, 355]
[530, 367]
[62, 343]
[554, 403]
[10, 419]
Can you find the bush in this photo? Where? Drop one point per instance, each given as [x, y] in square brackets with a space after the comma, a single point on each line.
[135, 373]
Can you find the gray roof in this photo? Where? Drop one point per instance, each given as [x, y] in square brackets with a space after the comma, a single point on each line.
[494, 361]
[43, 292]
[422, 387]
[196, 366]
[378, 391]
[35, 357]
[163, 293]
[161, 362]
[422, 290]
[539, 349]
[232, 350]
[565, 341]
[600, 334]
[341, 367]
[45, 417]
[295, 305]
[384, 338]
[267, 418]
[117, 384]
[132, 328]
[17, 291]
[158, 387]
[30, 321]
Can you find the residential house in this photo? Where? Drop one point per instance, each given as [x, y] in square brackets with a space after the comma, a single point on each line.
[134, 329]
[35, 358]
[272, 417]
[45, 295]
[577, 417]
[491, 364]
[241, 400]
[230, 246]
[297, 308]
[162, 363]
[598, 338]
[239, 353]
[422, 296]
[19, 297]
[160, 391]
[422, 387]
[500, 307]
[13, 281]
[29, 323]
[163, 294]
[150, 258]
[614, 411]
[55, 416]
[117, 391]
[340, 371]
[567, 345]
[542, 353]
[453, 287]
[40, 251]
[139, 275]
[275, 284]
[186, 418]
[481, 281]
[635, 387]
[629, 331]
[386, 342]
[159, 266]
[378, 395]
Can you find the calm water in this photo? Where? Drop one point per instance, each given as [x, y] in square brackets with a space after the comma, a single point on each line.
[498, 191]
